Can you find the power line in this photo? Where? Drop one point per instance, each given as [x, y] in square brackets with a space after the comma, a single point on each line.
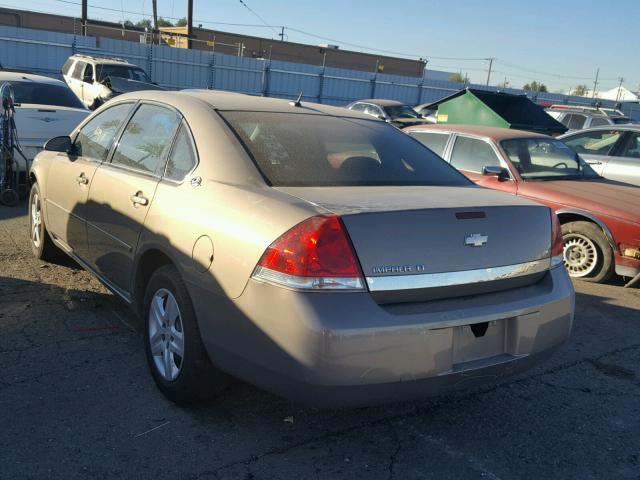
[258, 16]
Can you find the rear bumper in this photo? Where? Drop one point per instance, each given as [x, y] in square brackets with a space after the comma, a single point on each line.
[336, 349]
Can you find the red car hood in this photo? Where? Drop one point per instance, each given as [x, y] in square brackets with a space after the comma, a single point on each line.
[599, 196]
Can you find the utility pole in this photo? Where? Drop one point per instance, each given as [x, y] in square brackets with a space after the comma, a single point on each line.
[489, 71]
[155, 21]
[189, 23]
[281, 34]
[595, 83]
[84, 18]
[619, 88]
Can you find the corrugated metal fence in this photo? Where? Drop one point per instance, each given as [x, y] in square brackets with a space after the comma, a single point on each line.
[44, 52]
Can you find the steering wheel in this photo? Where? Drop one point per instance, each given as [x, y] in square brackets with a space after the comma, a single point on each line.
[564, 165]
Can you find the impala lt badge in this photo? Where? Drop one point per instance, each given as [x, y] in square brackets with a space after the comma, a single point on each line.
[476, 240]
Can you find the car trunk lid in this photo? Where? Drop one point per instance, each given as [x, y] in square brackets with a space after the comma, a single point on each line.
[422, 243]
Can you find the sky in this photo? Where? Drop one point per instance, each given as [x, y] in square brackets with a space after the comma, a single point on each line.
[560, 43]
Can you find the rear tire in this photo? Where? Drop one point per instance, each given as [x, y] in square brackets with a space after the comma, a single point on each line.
[587, 253]
[175, 353]
[42, 246]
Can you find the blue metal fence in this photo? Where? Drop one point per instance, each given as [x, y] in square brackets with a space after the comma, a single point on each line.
[44, 52]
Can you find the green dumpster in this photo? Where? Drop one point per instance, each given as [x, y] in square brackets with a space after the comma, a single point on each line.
[496, 109]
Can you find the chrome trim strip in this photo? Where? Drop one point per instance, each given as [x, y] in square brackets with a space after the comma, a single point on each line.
[451, 279]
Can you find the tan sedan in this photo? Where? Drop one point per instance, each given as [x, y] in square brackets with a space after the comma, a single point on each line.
[313, 251]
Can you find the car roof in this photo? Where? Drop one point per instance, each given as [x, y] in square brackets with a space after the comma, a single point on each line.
[22, 76]
[633, 127]
[103, 60]
[222, 100]
[381, 102]
[495, 133]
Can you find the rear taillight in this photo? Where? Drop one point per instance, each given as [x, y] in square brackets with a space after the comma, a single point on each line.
[557, 248]
[314, 255]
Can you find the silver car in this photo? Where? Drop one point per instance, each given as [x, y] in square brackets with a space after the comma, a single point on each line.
[311, 250]
[613, 152]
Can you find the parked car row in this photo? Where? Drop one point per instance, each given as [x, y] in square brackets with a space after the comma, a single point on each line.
[579, 118]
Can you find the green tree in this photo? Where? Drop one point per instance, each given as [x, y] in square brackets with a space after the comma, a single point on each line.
[182, 22]
[146, 23]
[580, 90]
[458, 78]
[164, 23]
[535, 87]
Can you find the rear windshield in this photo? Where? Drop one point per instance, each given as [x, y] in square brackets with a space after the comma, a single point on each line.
[401, 111]
[45, 94]
[319, 150]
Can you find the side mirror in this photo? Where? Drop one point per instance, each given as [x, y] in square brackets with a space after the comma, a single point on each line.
[58, 144]
[495, 171]
[382, 117]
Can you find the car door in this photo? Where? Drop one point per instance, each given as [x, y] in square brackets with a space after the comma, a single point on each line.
[624, 162]
[470, 155]
[594, 146]
[123, 189]
[69, 179]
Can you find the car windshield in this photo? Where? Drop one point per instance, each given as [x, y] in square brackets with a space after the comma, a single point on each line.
[401, 111]
[45, 94]
[320, 150]
[545, 159]
[122, 71]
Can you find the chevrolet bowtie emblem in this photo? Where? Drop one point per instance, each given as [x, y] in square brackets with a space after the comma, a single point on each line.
[476, 240]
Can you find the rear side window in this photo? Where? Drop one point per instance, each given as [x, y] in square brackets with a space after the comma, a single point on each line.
[67, 66]
[358, 107]
[78, 69]
[321, 150]
[435, 141]
[472, 154]
[574, 121]
[94, 140]
[183, 156]
[600, 142]
[146, 139]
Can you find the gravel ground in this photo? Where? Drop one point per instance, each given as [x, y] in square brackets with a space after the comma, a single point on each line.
[76, 401]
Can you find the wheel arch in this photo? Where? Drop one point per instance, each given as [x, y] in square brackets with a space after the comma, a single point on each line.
[148, 261]
[576, 215]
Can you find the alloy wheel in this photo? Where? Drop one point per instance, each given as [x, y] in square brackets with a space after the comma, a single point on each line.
[36, 220]
[166, 334]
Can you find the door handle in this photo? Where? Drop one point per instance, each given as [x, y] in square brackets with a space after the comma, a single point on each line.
[82, 179]
[138, 199]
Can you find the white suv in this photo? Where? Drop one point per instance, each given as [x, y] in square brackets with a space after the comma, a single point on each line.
[97, 79]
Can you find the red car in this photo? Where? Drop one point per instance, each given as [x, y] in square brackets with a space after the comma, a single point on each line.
[600, 218]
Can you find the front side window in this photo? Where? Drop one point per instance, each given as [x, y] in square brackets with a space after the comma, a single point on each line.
[600, 142]
[147, 138]
[435, 141]
[372, 110]
[95, 138]
[183, 157]
[472, 155]
[632, 148]
[599, 122]
[88, 74]
[545, 158]
[320, 150]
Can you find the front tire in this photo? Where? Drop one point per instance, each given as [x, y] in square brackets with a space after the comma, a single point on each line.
[175, 353]
[42, 246]
[587, 254]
